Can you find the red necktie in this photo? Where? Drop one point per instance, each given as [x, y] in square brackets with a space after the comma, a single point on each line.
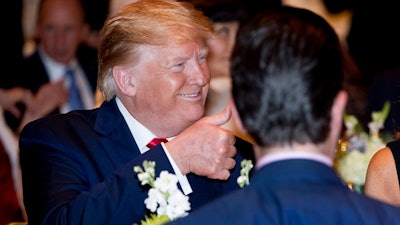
[155, 142]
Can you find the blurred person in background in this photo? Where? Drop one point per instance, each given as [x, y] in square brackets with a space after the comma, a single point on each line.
[11, 205]
[60, 31]
[226, 16]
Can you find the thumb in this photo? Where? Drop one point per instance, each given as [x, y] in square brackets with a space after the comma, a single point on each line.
[220, 118]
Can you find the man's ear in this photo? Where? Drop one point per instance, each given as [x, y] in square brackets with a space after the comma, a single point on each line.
[338, 108]
[125, 79]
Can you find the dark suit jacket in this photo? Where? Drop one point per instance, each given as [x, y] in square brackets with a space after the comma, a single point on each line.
[77, 168]
[32, 75]
[301, 192]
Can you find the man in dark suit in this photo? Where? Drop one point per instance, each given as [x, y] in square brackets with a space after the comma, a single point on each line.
[61, 30]
[287, 87]
[77, 168]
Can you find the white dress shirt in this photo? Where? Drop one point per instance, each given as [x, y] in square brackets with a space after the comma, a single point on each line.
[143, 136]
[56, 72]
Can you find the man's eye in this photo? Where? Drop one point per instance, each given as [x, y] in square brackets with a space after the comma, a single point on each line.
[180, 64]
[178, 67]
[202, 58]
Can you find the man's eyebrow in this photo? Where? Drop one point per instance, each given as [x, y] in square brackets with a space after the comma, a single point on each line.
[204, 51]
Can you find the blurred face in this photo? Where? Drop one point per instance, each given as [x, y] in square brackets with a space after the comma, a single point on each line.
[171, 85]
[61, 29]
[221, 46]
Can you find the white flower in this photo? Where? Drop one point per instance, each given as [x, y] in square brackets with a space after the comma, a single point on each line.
[166, 182]
[359, 147]
[243, 179]
[164, 197]
[165, 200]
[155, 197]
[378, 118]
[350, 123]
[178, 205]
[144, 178]
[353, 167]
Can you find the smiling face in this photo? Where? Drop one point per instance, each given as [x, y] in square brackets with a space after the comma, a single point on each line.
[168, 86]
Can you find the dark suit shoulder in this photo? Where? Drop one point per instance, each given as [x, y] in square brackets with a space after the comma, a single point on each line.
[33, 73]
[60, 123]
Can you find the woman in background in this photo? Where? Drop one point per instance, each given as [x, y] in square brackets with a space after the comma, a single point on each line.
[226, 16]
[382, 180]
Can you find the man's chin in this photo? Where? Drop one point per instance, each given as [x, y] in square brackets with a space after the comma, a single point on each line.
[196, 115]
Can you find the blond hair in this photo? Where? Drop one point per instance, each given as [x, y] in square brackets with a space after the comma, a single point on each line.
[146, 22]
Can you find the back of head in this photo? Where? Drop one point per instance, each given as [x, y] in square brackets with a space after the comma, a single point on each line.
[286, 70]
[146, 22]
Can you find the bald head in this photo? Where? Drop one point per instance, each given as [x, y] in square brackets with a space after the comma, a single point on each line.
[61, 28]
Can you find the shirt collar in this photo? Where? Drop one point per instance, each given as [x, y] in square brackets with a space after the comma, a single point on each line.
[284, 155]
[141, 134]
[54, 69]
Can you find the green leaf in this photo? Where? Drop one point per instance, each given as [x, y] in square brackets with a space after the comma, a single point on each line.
[380, 116]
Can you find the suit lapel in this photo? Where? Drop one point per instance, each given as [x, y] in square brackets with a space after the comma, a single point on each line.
[114, 134]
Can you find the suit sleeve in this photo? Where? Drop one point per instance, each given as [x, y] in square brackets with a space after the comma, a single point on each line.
[66, 184]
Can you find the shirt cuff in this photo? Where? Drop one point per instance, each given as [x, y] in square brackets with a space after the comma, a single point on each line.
[183, 181]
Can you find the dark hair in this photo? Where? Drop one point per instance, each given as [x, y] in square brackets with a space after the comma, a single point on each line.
[221, 10]
[286, 70]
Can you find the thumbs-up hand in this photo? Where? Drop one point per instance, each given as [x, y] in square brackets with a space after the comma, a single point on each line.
[205, 148]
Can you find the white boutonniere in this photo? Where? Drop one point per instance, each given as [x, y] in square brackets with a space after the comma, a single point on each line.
[243, 179]
[165, 201]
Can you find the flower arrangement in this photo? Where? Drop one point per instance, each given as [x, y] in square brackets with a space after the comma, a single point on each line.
[165, 201]
[356, 148]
